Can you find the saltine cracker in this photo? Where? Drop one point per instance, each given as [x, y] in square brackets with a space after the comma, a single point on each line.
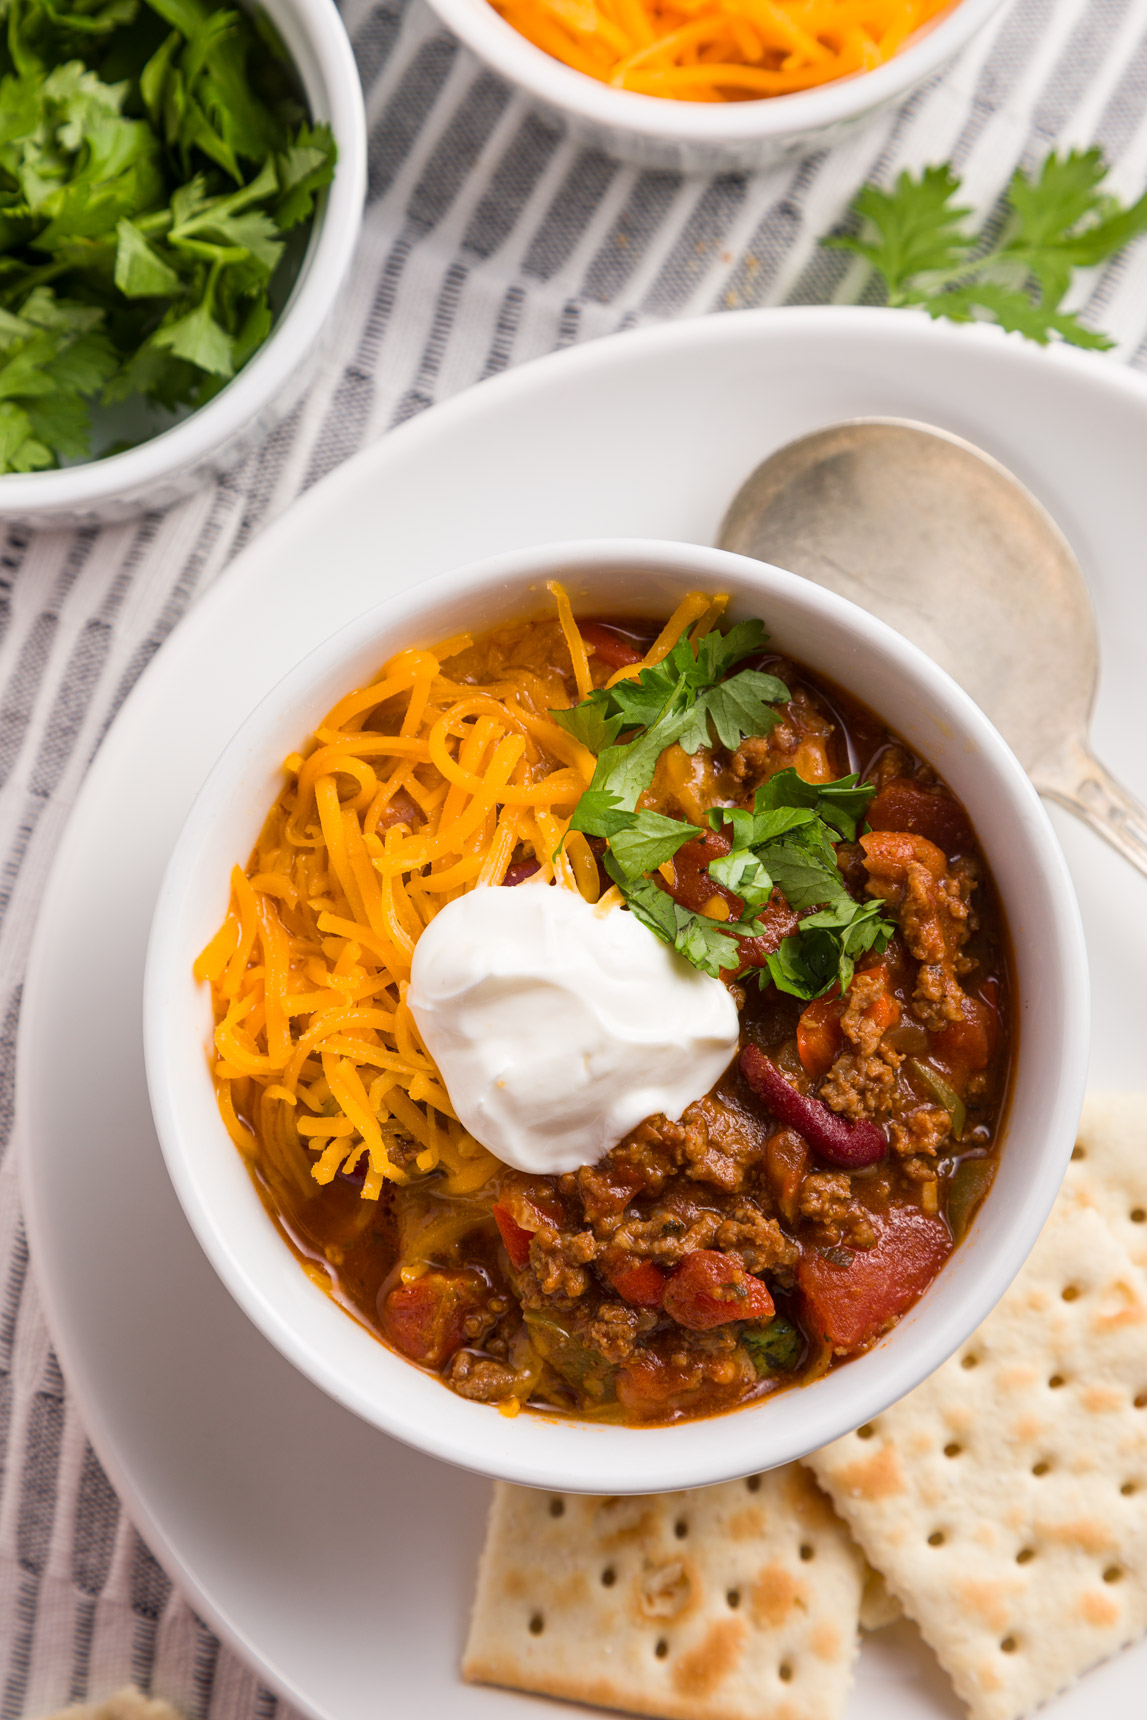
[1005, 1499]
[734, 1602]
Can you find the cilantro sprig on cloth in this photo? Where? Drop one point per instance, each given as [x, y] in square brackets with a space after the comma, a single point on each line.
[154, 158]
[918, 239]
[692, 699]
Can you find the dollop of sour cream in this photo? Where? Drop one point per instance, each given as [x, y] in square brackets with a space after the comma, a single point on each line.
[558, 1026]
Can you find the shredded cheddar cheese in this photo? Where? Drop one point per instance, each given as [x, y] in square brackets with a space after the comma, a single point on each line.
[412, 790]
[719, 50]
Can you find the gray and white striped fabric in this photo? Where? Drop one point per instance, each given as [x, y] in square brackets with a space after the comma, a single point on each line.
[490, 239]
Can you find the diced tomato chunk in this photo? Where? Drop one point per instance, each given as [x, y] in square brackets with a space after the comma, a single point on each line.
[649, 1385]
[708, 1289]
[905, 805]
[967, 1045]
[640, 1282]
[616, 650]
[692, 885]
[694, 888]
[516, 1240]
[426, 1319]
[819, 1035]
[848, 1305]
[779, 922]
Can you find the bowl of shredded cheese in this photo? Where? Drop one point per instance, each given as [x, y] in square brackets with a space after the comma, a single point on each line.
[705, 85]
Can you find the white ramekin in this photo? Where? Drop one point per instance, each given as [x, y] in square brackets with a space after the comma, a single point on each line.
[218, 435]
[708, 137]
[916, 698]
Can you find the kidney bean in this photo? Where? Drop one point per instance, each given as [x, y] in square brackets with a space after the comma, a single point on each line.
[847, 1146]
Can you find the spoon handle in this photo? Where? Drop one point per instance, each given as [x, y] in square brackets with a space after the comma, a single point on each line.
[1089, 790]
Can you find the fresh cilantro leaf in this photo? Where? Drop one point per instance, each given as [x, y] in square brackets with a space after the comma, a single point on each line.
[803, 878]
[710, 945]
[706, 943]
[1055, 221]
[917, 228]
[1015, 310]
[717, 652]
[648, 842]
[785, 842]
[199, 339]
[744, 873]
[743, 705]
[653, 906]
[736, 707]
[599, 813]
[303, 170]
[750, 829]
[841, 804]
[139, 272]
[825, 950]
[627, 771]
[589, 724]
[20, 449]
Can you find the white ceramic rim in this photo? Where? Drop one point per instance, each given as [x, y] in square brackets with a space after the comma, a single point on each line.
[185, 445]
[571, 1455]
[657, 117]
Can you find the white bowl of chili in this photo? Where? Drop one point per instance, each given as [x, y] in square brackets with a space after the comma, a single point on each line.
[1048, 979]
[705, 136]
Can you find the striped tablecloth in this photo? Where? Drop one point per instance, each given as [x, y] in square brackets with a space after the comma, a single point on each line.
[489, 239]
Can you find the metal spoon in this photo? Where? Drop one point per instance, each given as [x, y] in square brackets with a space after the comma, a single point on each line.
[941, 541]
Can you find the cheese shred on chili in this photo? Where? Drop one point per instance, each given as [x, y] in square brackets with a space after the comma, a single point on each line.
[719, 50]
[412, 791]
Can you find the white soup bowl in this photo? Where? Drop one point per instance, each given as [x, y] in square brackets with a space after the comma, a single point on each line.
[915, 698]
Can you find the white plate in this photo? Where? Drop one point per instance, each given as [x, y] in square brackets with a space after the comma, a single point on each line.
[338, 1562]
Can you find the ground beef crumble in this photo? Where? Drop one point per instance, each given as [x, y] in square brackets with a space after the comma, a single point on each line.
[826, 1198]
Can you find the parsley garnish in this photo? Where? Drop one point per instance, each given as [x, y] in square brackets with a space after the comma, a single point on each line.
[153, 159]
[785, 842]
[917, 238]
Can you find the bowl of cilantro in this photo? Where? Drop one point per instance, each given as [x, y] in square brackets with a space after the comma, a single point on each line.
[181, 190]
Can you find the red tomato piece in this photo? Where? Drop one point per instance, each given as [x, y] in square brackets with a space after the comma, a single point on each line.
[426, 1319]
[639, 1282]
[848, 1305]
[694, 888]
[692, 885]
[615, 648]
[515, 1238]
[649, 1386]
[967, 1045]
[927, 812]
[779, 922]
[708, 1289]
[819, 1035]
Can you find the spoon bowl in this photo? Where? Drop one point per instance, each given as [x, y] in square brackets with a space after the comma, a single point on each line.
[938, 539]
